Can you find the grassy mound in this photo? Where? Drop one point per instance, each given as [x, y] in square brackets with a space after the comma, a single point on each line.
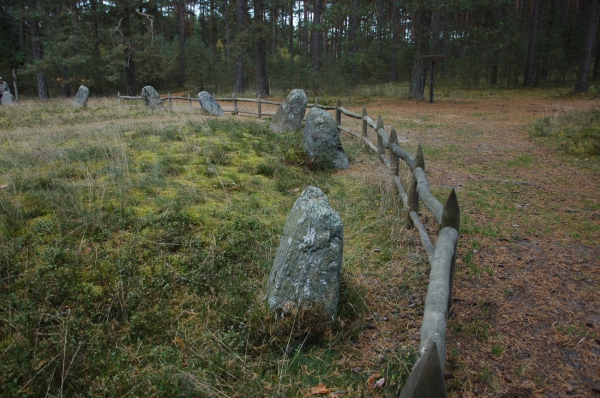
[136, 247]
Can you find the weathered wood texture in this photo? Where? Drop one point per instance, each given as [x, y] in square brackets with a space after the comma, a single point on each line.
[435, 314]
[426, 378]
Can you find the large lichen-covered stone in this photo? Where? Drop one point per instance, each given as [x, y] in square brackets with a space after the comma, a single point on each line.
[81, 98]
[291, 112]
[151, 98]
[8, 99]
[308, 265]
[322, 140]
[209, 104]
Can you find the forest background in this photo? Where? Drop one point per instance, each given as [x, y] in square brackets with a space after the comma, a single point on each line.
[227, 46]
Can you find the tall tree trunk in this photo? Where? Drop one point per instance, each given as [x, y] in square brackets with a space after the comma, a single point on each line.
[261, 51]
[130, 86]
[227, 33]
[396, 38]
[421, 38]
[240, 11]
[317, 37]
[305, 40]
[533, 27]
[95, 35]
[38, 56]
[379, 39]
[274, 27]
[291, 30]
[182, 11]
[65, 88]
[353, 23]
[590, 8]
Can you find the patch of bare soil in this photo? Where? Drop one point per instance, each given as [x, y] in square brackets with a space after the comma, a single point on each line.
[526, 314]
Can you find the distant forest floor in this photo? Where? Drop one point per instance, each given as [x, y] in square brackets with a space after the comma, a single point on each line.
[526, 314]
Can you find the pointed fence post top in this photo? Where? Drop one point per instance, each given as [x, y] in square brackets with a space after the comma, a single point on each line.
[451, 212]
[364, 112]
[339, 103]
[426, 379]
[419, 159]
[379, 123]
[393, 136]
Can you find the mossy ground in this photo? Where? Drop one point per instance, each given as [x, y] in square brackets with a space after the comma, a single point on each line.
[136, 247]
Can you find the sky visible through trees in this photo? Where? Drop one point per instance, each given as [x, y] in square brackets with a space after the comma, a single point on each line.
[319, 45]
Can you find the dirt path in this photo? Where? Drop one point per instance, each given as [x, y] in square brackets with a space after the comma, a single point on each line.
[526, 316]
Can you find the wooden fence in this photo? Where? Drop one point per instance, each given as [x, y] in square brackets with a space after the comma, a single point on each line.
[169, 99]
[426, 379]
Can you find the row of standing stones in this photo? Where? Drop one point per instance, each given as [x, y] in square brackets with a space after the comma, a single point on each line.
[307, 270]
[80, 100]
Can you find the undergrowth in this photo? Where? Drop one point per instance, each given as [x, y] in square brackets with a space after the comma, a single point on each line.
[575, 133]
[135, 248]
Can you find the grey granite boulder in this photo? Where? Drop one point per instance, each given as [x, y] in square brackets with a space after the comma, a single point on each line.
[291, 112]
[209, 104]
[151, 98]
[322, 140]
[8, 99]
[81, 98]
[307, 270]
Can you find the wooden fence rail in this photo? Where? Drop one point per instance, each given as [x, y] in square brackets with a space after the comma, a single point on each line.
[169, 98]
[426, 379]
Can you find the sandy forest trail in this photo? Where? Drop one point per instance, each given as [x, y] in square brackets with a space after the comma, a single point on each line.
[526, 315]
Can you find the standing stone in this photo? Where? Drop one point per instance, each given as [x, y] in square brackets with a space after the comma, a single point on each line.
[209, 104]
[8, 99]
[322, 140]
[308, 265]
[151, 98]
[291, 112]
[81, 98]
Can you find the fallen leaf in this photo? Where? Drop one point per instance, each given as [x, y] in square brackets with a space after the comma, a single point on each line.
[373, 383]
[179, 342]
[321, 389]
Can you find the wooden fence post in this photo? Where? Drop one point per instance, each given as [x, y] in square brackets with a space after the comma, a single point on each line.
[169, 96]
[15, 86]
[394, 159]
[338, 113]
[316, 102]
[426, 379]
[413, 195]
[380, 148]
[451, 218]
[259, 107]
[235, 108]
[119, 97]
[190, 99]
[364, 122]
